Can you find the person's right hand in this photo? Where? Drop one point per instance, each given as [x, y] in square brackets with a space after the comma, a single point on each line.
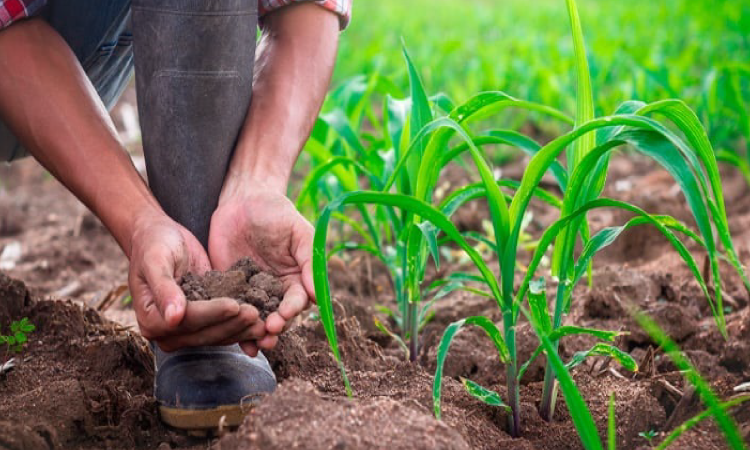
[161, 252]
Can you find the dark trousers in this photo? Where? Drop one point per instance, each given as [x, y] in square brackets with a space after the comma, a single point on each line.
[194, 69]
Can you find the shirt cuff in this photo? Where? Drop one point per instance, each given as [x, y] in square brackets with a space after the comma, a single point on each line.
[343, 8]
[15, 10]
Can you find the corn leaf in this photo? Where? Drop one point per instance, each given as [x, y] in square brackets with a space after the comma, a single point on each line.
[563, 331]
[584, 92]
[602, 349]
[338, 121]
[484, 395]
[735, 160]
[320, 269]
[312, 179]
[552, 231]
[579, 411]
[695, 420]
[568, 330]
[381, 326]
[429, 232]
[725, 422]
[445, 342]
[538, 305]
[421, 115]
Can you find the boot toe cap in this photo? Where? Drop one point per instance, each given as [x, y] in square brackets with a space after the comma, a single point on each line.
[204, 380]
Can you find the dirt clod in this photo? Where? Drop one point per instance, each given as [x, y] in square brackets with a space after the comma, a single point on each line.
[245, 282]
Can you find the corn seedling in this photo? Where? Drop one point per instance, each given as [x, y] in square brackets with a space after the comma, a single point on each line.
[691, 163]
[688, 157]
[394, 163]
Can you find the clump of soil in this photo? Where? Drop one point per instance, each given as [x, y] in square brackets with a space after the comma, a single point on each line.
[245, 282]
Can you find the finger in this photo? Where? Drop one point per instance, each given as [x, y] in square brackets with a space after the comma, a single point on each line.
[275, 323]
[212, 335]
[253, 333]
[268, 342]
[158, 271]
[249, 348]
[150, 319]
[294, 302]
[204, 313]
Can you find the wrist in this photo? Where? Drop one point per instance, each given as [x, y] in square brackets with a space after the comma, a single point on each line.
[128, 222]
[252, 171]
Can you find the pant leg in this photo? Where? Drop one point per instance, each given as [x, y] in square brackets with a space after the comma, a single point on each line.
[194, 68]
[98, 33]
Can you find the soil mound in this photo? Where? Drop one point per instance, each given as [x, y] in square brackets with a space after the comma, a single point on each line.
[80, 382]
[320, 423]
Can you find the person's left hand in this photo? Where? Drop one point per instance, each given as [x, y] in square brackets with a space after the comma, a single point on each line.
[264, 224]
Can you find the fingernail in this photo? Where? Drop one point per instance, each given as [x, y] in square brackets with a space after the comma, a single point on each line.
[170, 313]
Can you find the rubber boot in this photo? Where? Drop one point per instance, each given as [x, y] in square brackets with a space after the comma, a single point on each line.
[194, 69]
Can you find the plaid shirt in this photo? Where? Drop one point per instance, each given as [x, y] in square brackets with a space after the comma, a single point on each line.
[13, 10]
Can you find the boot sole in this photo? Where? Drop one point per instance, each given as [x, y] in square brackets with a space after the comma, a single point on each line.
[204, 419]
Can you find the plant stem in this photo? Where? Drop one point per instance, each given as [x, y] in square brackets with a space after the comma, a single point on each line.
[514, 401]
[414, 331]
[549, 395]
[549, 392]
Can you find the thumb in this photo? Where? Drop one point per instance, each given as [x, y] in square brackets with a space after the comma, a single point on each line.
[167, 295]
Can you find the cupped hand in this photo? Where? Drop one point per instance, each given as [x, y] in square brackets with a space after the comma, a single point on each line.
[264, 225]
[161, 252]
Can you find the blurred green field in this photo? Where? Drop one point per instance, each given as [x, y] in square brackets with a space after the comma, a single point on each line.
[638, 49]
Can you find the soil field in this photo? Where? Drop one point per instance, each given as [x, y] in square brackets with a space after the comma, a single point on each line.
[85, 379]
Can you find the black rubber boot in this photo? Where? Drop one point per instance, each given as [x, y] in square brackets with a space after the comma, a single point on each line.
[195, 387]
[194, 68]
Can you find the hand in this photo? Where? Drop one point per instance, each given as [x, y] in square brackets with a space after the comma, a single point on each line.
[161, 252]
[262, 223]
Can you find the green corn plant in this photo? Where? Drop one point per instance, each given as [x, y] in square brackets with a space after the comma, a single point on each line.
[691, 163]
[737, 102]
[394, 162]
[588, 159]
[690, 160]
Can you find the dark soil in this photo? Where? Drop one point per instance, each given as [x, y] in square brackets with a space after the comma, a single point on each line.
[377, 422]
[245, 282]
[84, 382]
[81, 382]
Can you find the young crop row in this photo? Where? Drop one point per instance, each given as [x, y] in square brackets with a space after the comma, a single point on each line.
[397, 152]
[696, 50]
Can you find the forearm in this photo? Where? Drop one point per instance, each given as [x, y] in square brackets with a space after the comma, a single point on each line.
[48, 102]
[293, 70]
